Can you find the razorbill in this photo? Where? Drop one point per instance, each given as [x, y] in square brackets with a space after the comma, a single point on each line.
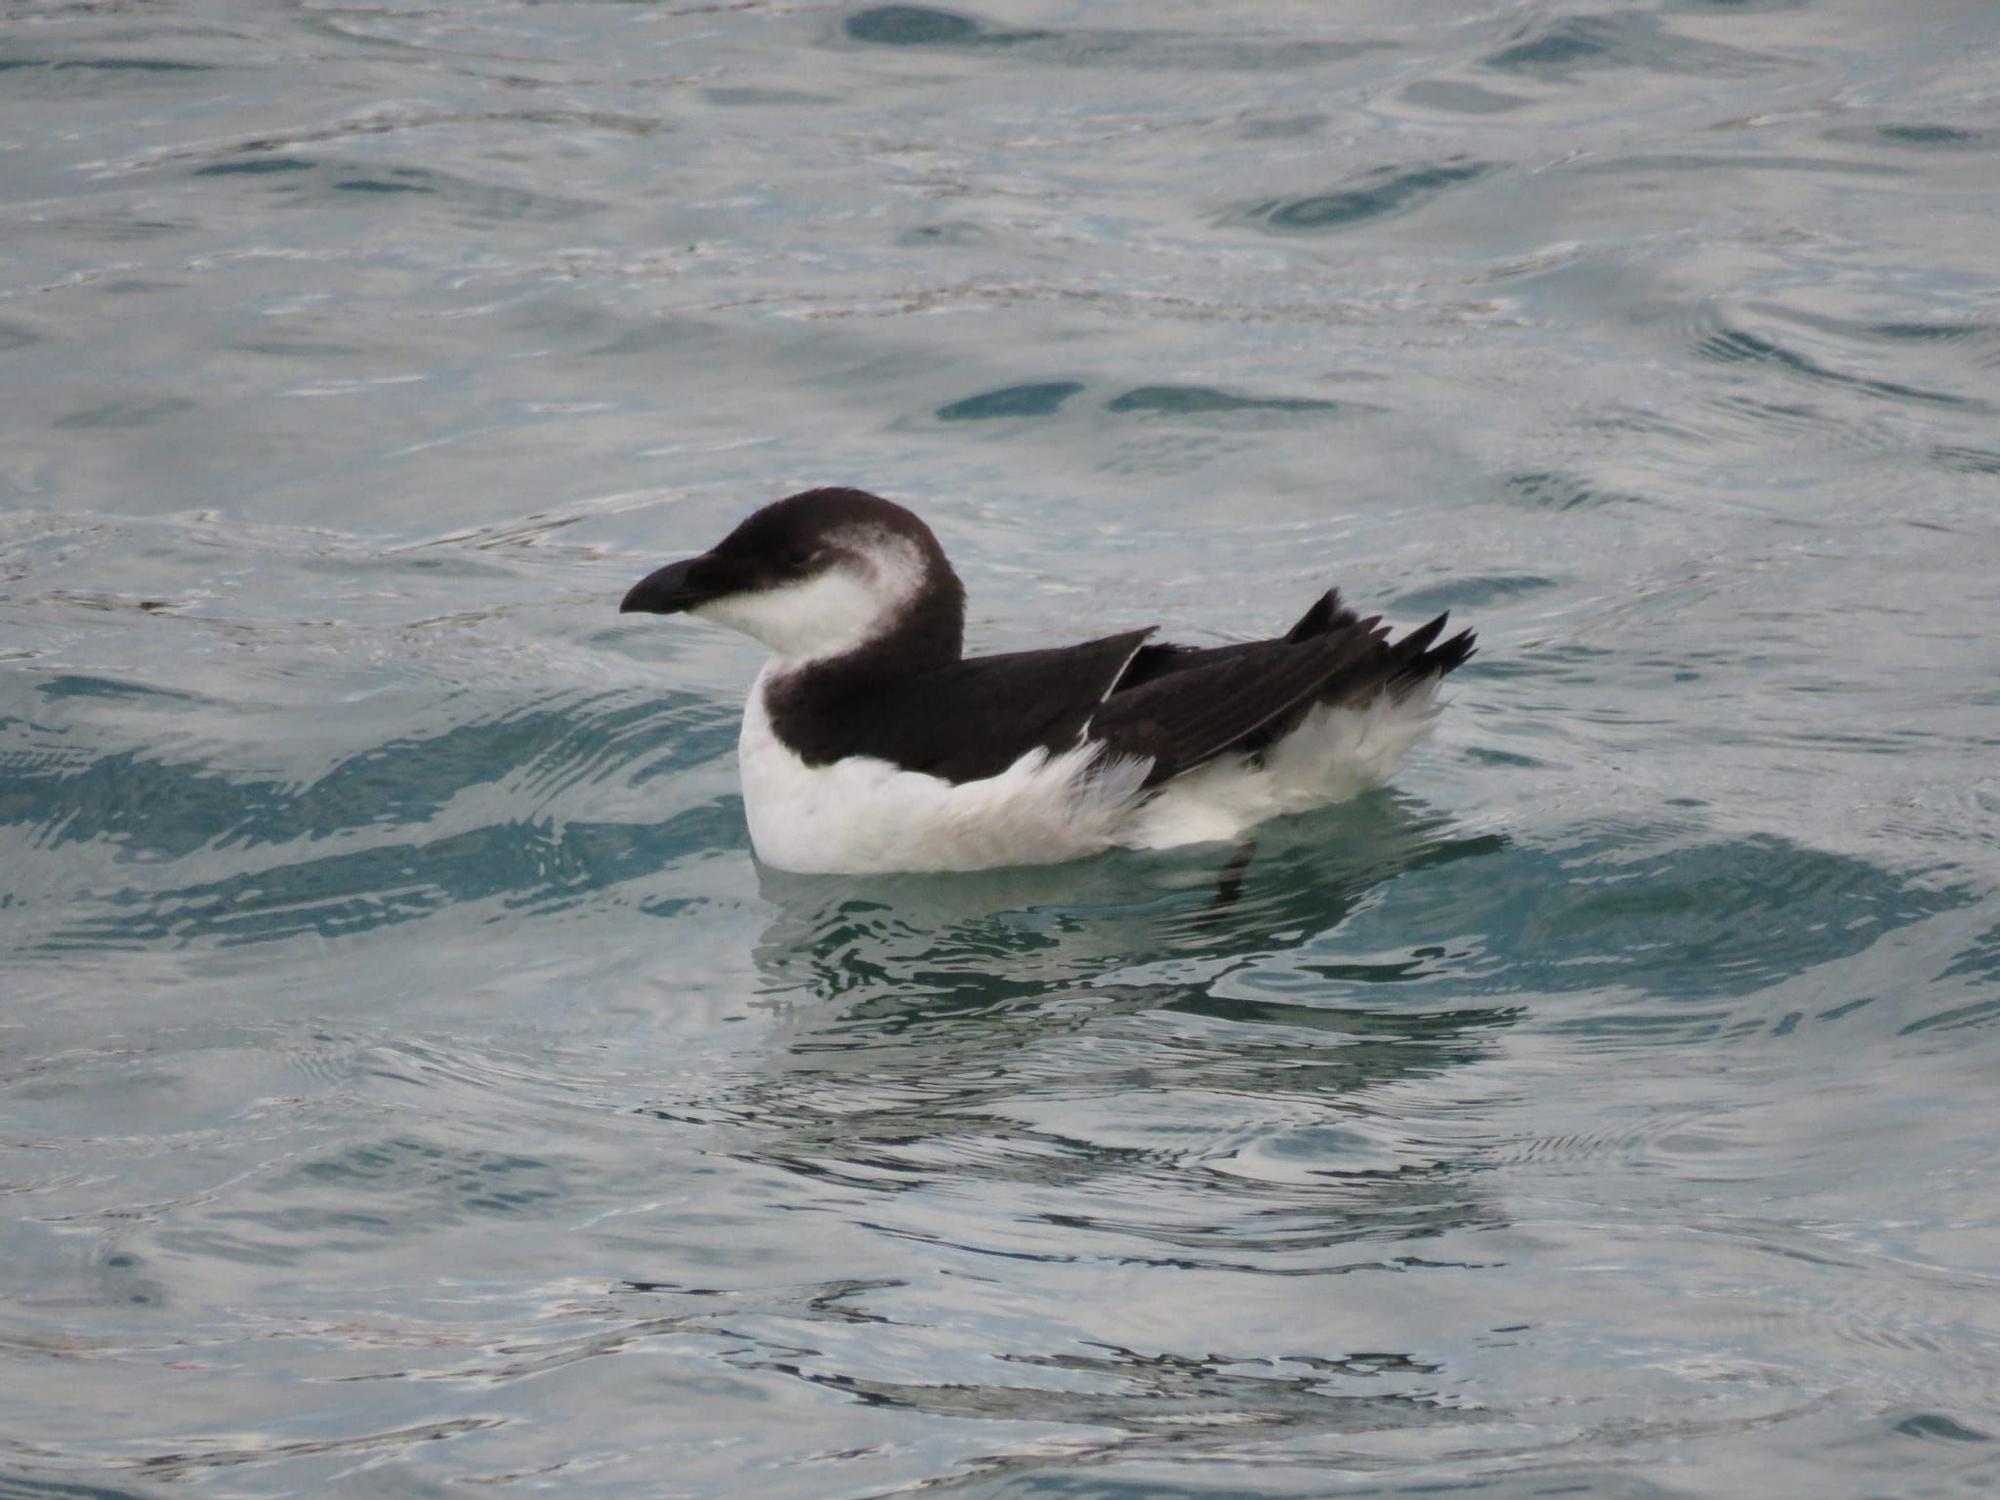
[872, 743]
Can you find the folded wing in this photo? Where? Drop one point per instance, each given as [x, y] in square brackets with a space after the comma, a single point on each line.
[1177, 706]
[1185, 705]
[962, 722]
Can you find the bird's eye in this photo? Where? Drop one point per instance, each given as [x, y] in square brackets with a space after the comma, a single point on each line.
[798, 557]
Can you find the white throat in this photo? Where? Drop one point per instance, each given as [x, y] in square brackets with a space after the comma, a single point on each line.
[876, 578]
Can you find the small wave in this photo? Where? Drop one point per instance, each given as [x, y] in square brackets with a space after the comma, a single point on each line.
[925, 26]
[1373, 195]
[1560, 50]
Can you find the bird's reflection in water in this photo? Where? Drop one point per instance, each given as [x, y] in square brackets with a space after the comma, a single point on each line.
[1078, 1028]
[1118, 1119]
[905, 948]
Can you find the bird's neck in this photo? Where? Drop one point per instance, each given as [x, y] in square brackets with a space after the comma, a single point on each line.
[927, 633]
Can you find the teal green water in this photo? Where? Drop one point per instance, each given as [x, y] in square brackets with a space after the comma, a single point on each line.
[409, 1084]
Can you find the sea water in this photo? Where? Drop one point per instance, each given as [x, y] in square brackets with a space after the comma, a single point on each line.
[410, 1084]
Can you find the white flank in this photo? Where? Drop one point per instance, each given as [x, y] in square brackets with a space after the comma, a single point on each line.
[1334, 754]
[863, 816]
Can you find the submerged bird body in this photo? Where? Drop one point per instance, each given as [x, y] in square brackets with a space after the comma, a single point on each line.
[871, 743]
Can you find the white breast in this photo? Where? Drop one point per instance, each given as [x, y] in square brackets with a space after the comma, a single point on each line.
[865, 816]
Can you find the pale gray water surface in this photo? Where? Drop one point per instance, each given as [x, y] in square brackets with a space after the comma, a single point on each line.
[408, 1083]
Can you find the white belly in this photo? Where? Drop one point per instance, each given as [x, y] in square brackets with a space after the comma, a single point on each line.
[864, 816]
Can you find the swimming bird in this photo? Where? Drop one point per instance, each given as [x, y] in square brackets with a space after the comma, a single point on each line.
[872, 743]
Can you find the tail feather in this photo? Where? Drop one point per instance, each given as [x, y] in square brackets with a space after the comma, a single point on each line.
[1417, 660]
[1327, 615]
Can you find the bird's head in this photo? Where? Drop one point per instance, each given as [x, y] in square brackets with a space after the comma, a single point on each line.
[814, 575]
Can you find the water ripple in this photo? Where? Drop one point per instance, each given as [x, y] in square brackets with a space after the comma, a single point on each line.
[1372, 195]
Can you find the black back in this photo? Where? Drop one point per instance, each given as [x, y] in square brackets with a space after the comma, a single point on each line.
[1179, 706]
